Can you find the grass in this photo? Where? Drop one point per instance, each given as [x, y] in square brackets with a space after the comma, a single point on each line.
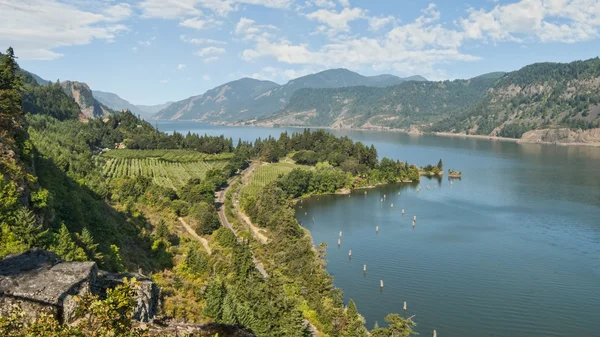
[178, 156]
[266, 174]
[169, 168]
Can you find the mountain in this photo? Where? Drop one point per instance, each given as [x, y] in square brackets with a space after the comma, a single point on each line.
[223, 102]
[82, 94]
[538, 96]
[37, 79]
[266, 97]
[398, 106]
[113, 101]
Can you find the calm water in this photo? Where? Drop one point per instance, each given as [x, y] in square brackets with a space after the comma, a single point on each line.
[512, 249]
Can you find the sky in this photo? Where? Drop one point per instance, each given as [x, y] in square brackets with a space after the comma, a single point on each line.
[153, 51]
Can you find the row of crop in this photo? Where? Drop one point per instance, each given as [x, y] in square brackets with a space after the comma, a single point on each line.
[168, 155]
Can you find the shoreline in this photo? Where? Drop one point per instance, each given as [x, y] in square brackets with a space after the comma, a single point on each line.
[411, 133]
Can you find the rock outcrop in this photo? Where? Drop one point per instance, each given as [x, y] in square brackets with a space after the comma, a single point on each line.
[82, 94]
[38, 281]
[562, 136]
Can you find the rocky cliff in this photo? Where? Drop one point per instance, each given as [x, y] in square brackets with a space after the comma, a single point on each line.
[562, 136]
[38, 281]
[82, 94]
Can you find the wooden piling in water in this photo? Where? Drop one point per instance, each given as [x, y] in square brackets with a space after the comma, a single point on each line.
[434, 333]
[365, 268]
[384, 196]
[376, 229]
[380, 283]
[404, 306]
[350, 253]
[340, 234]
[403, 211]
[392, 205]
[339, 242]
[415, 218]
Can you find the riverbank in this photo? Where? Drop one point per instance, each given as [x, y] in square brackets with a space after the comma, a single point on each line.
[415, 132]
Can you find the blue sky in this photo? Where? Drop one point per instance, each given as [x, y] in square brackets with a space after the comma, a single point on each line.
[153, 51]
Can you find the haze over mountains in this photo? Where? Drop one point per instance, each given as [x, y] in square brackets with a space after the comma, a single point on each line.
[247, 98]
[537, 96]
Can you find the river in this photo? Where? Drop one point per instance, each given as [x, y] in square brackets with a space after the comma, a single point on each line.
[511, 249]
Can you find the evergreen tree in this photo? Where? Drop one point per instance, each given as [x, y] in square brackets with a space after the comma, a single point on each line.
[26, 229]
[86, 241]
[162, 230]
[440, 165]
[65, 247]
[214, 295]
[229, 309]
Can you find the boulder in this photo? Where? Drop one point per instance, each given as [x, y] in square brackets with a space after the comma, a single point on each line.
[38, 282]
[147, 294]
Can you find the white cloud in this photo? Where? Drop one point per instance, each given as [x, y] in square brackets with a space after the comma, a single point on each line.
[181, 66]
[247, 29]
[197, 23]
[323, 3]
[206, 77]
[175, 9]
[535, 20]
[36, 27]
[416, 47]
[210, 51]
[344, 3]
[211, 59]
[169, 9]
[268, 3]
[191, 40]
[376, 23]
[337, 22]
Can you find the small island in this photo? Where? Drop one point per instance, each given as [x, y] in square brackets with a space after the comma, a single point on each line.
[454, 174]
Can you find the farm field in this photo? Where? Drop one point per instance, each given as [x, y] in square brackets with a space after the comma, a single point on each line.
[265, 174]
[168, 168]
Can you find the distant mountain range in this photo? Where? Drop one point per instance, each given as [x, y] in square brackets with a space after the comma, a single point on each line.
[538, 96]
[117, 103]
[248, 99]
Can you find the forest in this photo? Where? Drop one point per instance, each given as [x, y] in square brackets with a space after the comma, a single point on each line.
[55, 193]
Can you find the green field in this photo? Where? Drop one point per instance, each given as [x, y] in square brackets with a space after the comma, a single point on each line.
[265, 174]
[169, 168]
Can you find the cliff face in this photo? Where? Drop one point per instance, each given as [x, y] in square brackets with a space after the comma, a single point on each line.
[82, 94]
[38, 282]
[562, 136]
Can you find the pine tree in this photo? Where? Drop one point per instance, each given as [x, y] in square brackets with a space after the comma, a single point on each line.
[26, 229]
[376, 326]
[215, 293]
[86, 240]
[440, 165]
[351, 310]
[162, 230]
[229, 309]
[65, 247]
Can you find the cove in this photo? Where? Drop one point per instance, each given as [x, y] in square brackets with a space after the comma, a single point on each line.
[512, 249]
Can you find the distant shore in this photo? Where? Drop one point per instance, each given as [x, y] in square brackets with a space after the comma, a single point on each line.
[417, 133]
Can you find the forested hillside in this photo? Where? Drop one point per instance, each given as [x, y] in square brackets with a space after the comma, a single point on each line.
[247, 99]
[398, 106]
[60, 191]
[543, 95]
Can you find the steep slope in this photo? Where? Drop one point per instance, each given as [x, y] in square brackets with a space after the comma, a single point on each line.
[268, 97]
[114, 102]
[538, 96]
[222, 102]
[397, 106]
[82, 94]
